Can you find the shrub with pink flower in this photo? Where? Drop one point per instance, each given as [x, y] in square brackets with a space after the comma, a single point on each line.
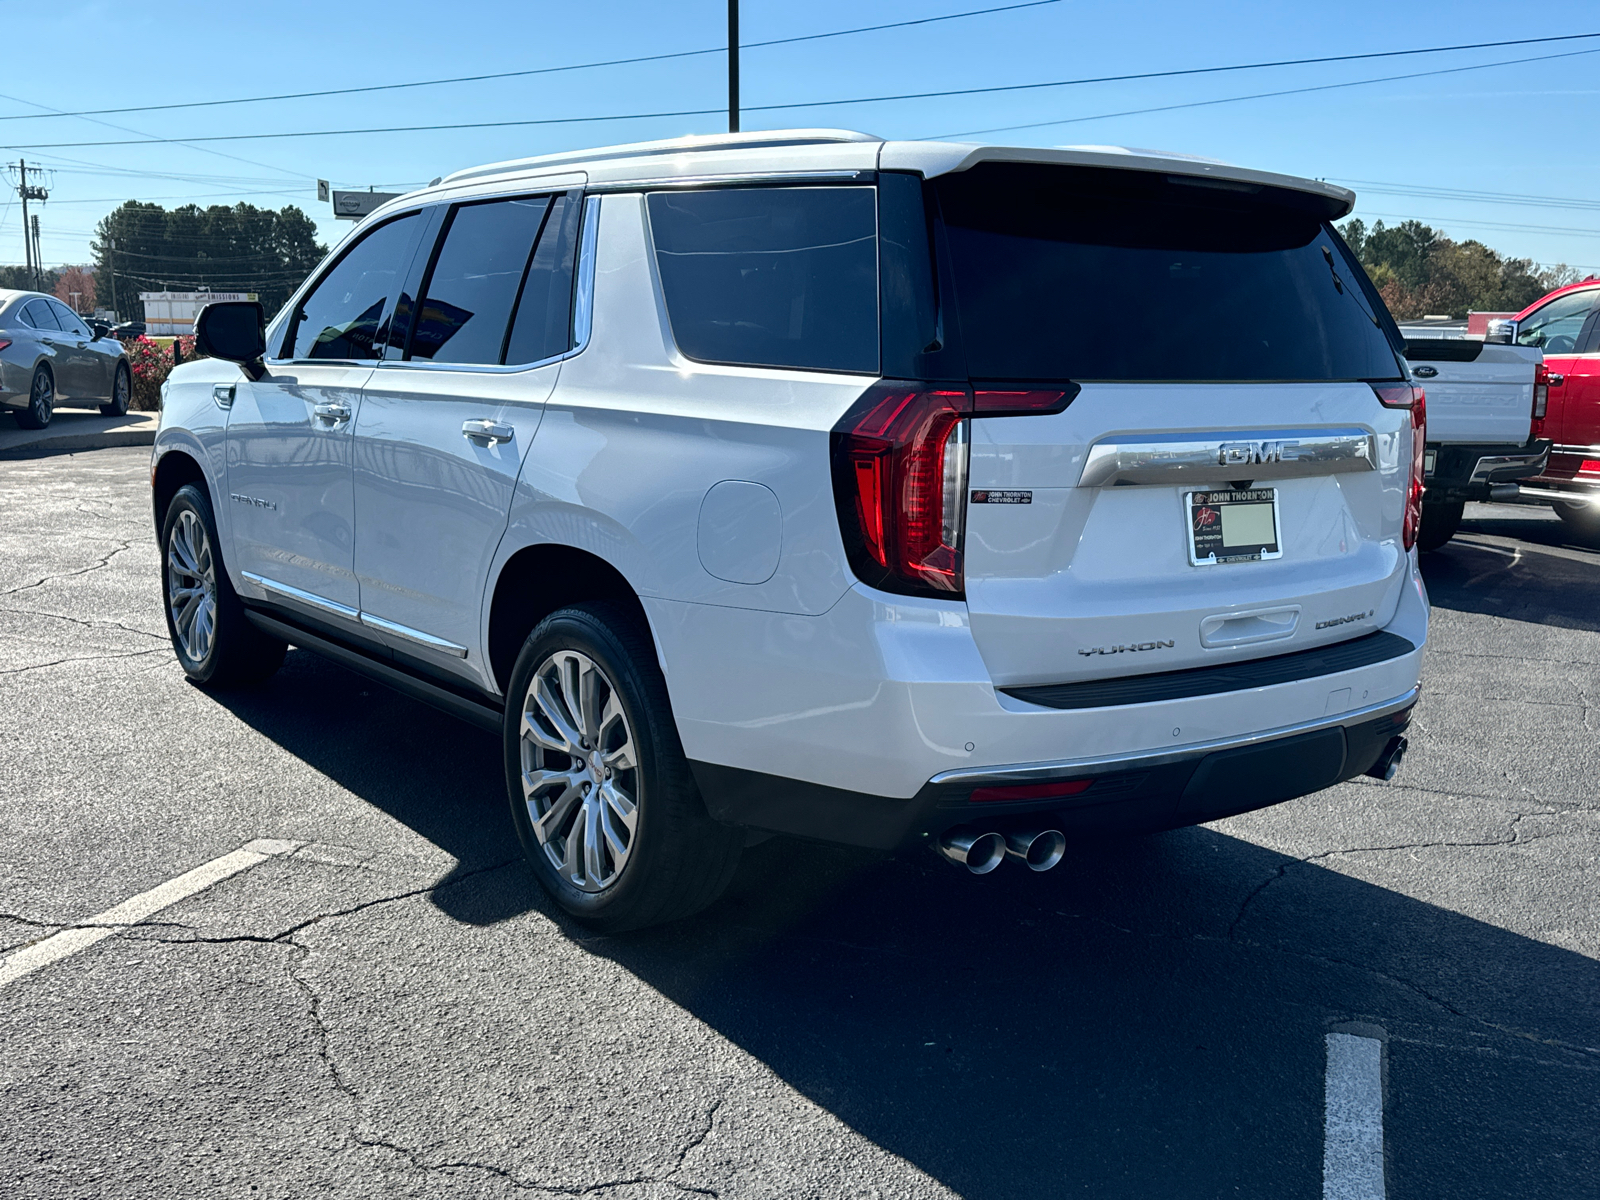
[151, 363]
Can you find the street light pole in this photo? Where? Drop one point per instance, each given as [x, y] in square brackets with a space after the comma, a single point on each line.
[733, 66]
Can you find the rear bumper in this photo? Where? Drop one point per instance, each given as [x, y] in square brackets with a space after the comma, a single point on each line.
[1123, 794]
[1467, 471]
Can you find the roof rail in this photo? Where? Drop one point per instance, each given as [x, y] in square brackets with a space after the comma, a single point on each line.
[715, 141]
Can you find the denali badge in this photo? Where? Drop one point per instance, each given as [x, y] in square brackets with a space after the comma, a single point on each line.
[238, 499]
[1329, 624]
[996, 497]
[1131, 648]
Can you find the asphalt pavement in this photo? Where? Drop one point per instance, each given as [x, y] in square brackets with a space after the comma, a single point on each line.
[357, 989]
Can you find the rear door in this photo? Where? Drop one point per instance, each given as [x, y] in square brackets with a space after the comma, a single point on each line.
[1223, 482]
[448, 416]
[83, 365]
[1477, 392]
[291, 500]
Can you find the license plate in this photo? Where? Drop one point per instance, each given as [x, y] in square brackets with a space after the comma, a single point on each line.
[1233, 526]
[1428, 458]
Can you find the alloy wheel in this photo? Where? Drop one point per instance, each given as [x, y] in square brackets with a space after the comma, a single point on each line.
[43, 399]
[192, 585]
[120, 390]
[579, 770]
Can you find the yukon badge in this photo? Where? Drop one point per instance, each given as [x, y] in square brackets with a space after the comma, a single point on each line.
[1130, 648]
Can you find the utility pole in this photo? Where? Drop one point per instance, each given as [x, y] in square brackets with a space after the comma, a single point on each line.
[733, 66]
[111, 270]
[38, 257]
[29, 236]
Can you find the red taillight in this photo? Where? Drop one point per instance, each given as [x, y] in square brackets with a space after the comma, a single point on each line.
[1004, 402]
[900, 479]
[1541, 394]
[1405, 396]
[1030, 791]
[4, 343]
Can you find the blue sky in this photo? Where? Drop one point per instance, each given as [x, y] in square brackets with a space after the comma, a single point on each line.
[1525, 129]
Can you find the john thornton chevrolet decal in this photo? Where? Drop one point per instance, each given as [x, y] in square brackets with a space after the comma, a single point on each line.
[995, 497]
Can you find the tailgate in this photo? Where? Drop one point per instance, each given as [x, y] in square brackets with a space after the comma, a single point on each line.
[1477, 392]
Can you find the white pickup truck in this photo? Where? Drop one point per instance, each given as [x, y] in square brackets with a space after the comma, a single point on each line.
[1482, 400]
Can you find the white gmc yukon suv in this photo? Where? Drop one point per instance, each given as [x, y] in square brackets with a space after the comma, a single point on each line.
[803, 482]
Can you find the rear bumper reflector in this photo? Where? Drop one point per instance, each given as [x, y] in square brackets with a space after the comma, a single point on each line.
[1207, 681]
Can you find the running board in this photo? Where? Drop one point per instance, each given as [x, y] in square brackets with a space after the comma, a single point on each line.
[474, 712]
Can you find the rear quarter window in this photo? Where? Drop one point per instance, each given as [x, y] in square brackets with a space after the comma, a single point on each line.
[771, 276]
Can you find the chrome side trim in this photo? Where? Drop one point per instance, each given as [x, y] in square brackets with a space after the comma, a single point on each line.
[1540, 495]
[1257, 454]
[308, 598]
[1046, 772]
[414, 636]
[1585, 451]
[583, 298]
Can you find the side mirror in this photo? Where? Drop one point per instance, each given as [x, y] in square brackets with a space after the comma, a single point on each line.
[100, 329]
[1501, 332]
[234, 331]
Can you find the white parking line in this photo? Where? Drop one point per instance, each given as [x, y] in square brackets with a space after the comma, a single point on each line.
[1352, 1146]
[95, 929]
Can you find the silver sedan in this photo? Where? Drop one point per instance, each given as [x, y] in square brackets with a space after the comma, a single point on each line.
[49, 356]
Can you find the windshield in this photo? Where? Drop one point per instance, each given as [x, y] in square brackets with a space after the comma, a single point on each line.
[1089, 274]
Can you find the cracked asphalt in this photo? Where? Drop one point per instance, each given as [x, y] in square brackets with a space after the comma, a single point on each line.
[394, 1010]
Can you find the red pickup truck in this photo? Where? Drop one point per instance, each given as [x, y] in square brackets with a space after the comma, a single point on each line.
[1565, 325]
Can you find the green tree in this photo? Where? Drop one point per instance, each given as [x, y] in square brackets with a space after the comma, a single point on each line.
[238, 248]
[16, 279]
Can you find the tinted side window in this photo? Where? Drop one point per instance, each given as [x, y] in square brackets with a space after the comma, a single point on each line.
[346, 312]
[1555, 327]
[68, 320]
[467, 301]
[779, 277]
[543, 326]
[40, 317]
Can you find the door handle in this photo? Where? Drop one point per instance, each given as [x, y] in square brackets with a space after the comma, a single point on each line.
[333, 413]
[1555, 380]
[487, 432]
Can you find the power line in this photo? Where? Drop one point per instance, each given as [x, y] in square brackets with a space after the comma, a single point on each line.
[697, 112]
[610, 62]
[1378, 187]
[1473, 221]
[1299, 91]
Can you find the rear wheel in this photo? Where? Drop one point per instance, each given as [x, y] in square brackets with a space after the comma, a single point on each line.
[1582, 521]
[601, 794]
[214, 641]
[1439, 524]
[41, 400]
[121, 392]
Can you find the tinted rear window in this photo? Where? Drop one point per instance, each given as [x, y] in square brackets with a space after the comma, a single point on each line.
[775, 277]
[1073, 273]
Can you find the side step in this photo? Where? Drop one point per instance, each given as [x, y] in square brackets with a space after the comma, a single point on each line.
[480, 713]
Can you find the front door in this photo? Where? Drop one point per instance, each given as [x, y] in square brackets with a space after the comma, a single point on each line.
[444, 425]
[289, 456]
[1557, 329]
[86, 379]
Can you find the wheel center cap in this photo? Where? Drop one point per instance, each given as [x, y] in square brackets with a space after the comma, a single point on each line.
[596, 767]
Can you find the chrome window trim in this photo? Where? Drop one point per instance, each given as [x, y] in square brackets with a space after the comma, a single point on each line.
[415, 636]
[1047, 772]
[1168, 459]
[332, 607]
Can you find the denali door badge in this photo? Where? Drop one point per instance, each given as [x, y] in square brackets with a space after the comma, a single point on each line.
[998, 497]
[1131, 648]
[258, 503]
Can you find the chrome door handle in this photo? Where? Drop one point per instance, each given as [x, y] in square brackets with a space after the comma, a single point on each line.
[334, 413]
[487, 432]
[1555, 380]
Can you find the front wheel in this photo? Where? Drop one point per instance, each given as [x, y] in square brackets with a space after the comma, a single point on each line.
[215, 643]
[121, 393]
[601, 794]
[41, 400]
[1439, 524]
[1582, 520]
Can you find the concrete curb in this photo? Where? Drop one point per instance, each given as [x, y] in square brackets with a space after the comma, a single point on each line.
[28, 443]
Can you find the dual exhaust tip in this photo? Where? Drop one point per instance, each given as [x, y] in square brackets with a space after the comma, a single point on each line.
[981, 851]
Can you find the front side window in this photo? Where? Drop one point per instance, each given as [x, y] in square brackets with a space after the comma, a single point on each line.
[469, 295]
[68, 320]
[771, 276]
[1555, 327]
[345, 316]
[37, 313]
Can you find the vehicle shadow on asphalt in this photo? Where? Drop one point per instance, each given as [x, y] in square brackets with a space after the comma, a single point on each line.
[1476, 576]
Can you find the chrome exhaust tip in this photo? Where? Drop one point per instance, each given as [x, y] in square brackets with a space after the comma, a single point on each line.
[1039, 849]
[978, 852]
[1388, 764]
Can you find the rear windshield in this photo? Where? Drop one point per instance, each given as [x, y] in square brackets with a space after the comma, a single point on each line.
[1087, 274]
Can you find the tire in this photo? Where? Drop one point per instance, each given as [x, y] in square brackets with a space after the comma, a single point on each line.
[216, 645]
[1439, 524]
[674, 860]
[1582, 521]
[121, 393]
[41, 400]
